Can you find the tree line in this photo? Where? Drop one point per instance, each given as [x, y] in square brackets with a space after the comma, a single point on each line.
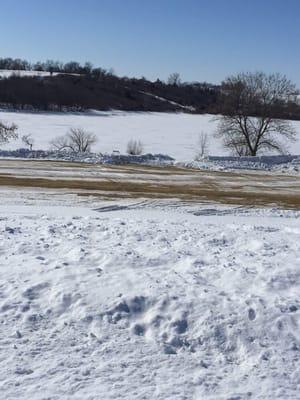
[103, 92]
[71, 67]
[78, 87]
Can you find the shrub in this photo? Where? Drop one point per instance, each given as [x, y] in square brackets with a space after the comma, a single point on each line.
[135, 147]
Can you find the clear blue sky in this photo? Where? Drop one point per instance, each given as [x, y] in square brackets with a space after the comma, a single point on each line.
[202, 40]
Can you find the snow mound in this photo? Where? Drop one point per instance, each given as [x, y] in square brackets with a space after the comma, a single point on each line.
[284, 163]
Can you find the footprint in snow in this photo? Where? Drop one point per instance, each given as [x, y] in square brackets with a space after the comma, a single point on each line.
[33, 292]
[251, 314]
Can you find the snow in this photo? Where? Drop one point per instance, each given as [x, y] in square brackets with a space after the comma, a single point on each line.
[92, 158]
[283, 164]
[279, 164]
[106, 300]
[145, 298]
[165, 133]
[6, 73]
[174, 103]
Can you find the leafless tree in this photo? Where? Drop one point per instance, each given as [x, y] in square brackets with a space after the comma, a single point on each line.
[251, 101]
[7, 132]
[135, 147]
[60, 143]
[28, 141]
[77, 140]
[174, 79]
[202, 146]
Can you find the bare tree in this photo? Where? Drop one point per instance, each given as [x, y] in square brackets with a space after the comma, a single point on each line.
[174, 79]
[202, 146]
[28, 141]
[251, 102]
[8, 132]
[77, 140]
[60, 143]
[135, 147]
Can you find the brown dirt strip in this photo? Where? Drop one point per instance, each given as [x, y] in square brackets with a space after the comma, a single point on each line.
[196, 191]
[128, 169]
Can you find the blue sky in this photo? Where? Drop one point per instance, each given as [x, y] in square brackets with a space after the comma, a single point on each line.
[202, 40]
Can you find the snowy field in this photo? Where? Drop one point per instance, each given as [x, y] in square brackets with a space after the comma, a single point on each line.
[166, 302]
[113, 288]
[167, 133]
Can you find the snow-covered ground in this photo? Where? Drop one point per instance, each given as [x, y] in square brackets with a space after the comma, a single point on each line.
[168, 301]
[145, 298]
[167, 133]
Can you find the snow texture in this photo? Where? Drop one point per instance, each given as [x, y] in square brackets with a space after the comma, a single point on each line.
[149, 303]
[284, 164]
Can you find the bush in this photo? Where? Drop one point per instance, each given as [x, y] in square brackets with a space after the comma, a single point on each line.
[202, 146]
[8, 132]
[28, 141]
[135, 147]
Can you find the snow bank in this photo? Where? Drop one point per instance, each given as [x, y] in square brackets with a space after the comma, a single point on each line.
[288, 163]
[94, 158]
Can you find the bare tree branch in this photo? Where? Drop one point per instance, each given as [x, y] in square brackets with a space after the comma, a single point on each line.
[202, 146]
[8, 132]
[28, 141]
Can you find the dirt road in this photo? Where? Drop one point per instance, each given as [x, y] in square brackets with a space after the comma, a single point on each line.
[249, 188]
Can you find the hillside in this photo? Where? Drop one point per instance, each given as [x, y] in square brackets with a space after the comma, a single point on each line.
[55, 91]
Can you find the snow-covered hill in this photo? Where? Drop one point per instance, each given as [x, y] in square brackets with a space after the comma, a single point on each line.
[167, 133]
